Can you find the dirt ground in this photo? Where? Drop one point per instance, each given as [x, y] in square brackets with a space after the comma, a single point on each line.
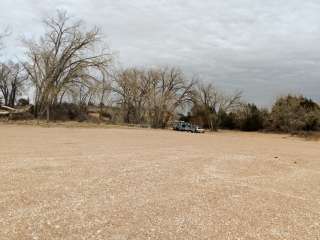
[118, 184]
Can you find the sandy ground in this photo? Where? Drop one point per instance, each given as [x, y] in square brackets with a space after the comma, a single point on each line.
[72, 183]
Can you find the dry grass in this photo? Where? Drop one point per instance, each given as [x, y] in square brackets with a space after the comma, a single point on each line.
[115, 183]
[311, 136]
[66, 124]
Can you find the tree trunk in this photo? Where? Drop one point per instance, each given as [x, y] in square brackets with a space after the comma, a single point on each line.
[12, 99]
[6, 99]
[48, 112]
[101, 110]
[12, 95]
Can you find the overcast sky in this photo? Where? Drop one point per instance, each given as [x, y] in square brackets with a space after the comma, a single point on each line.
[266, 48]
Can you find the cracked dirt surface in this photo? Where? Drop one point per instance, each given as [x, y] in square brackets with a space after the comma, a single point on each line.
[72, 183]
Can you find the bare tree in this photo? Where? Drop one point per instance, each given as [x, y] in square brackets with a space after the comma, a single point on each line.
[169, 90]
[152, 96]
[208, 102]
[208, 95]
[12, 81]
[3, 35]
[133, 88]
[64, 56]
[103, 91]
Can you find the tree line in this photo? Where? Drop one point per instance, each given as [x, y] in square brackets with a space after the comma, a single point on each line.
[68, 70]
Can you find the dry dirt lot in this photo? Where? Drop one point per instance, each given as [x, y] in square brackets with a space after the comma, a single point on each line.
[77, 183]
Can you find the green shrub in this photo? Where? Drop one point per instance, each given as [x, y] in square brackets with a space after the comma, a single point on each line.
[249, 118]
[227, 120]
[23, 102]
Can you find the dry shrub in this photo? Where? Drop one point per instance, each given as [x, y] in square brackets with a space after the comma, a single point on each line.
[20, 116]
[69, 111]
[292, 114]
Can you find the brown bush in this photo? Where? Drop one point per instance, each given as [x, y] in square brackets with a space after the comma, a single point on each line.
[292, 113]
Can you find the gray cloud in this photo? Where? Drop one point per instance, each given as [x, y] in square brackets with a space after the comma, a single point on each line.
[265, 48]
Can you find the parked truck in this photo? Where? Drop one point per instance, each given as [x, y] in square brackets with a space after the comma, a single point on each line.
[187, 127]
